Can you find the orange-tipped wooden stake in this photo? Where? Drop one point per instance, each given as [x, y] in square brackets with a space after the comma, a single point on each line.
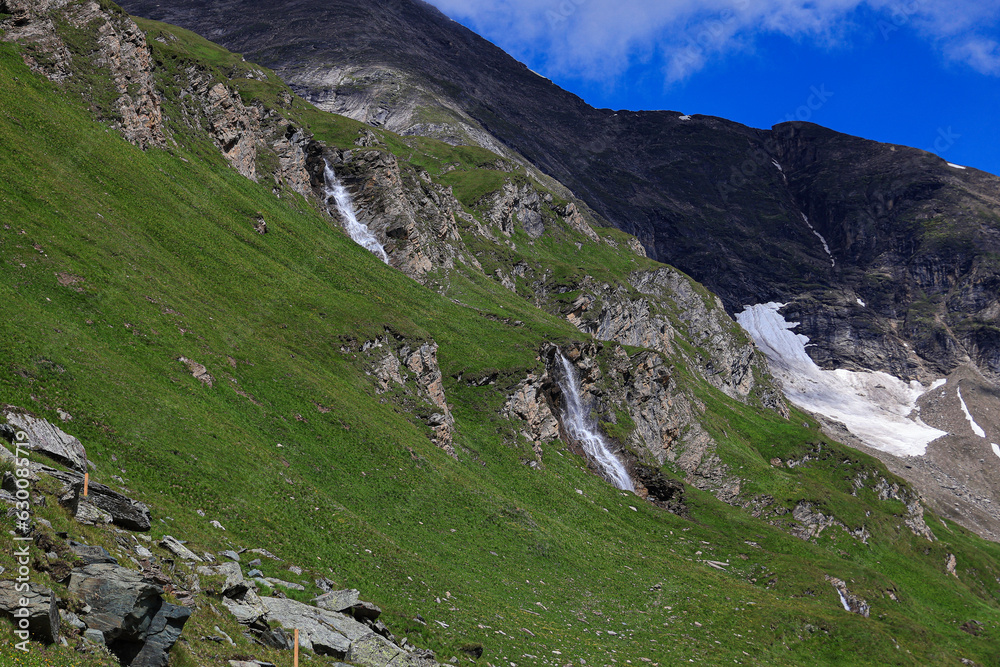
[296, 653]
[86, 482]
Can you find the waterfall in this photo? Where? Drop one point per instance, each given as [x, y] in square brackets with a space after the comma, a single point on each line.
[359, 232]
[576, 420]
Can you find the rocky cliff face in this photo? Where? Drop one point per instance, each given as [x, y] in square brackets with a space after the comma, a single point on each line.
[413, 217]
[916, 292]
[50, 31]
[30, 24]
[292, 147]
[426, 231]
[649, 416]
[234, 127]
[95, 48]
[660, 308]
[412, 369]
[394, 99]
[520, 205]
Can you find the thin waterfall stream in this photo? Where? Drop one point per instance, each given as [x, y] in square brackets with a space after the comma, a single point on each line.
[577, 421]
[358, 231]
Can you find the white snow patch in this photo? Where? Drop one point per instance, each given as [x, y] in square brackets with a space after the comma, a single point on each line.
[955, 166]
[874, 406]
[976, 428]
[833, 262]
[775, 163]
[861, 303]
[996, 448]
[843, 600]
[685, 117]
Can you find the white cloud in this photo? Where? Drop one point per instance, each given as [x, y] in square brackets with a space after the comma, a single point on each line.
[980, 53]
[599, 39]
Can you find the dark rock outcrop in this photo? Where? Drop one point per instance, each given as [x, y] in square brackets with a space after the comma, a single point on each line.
[91, 555]
[8, 432]
[34, 606]
[137, 625]
[662, 490]
[163, 632]
[120, 509]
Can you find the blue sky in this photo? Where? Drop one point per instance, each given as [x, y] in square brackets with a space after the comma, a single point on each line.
[923, 73]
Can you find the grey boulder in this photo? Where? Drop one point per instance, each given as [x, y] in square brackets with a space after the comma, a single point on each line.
[40, 608]
[121, 601]
[91, 554]
[322, 631]
[239, 596]
[94, 636]
[90, 514]
[375, 651]
[101, 500]
[248, 608]
[50, 440]
[161, 635]
[348, 602]
[174, 546]
[138, 626]
[272, 582]
[235, 586]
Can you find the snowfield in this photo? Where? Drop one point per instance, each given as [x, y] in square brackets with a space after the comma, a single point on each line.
[874, 406]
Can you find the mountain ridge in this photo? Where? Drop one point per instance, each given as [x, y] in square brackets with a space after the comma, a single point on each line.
[195, 314]
[703, 194]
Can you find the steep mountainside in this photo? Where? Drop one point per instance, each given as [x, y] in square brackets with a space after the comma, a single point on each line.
[913, 238]
[180, 294]
[885, 256]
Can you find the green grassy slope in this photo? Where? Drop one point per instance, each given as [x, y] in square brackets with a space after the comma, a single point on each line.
[161, 261]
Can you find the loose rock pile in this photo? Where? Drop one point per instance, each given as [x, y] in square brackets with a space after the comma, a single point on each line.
[124, 609]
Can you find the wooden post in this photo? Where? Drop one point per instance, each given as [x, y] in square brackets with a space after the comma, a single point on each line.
[86, 482]
[296, 650]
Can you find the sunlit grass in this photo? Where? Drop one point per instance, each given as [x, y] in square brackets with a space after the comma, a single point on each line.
[502, 554]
